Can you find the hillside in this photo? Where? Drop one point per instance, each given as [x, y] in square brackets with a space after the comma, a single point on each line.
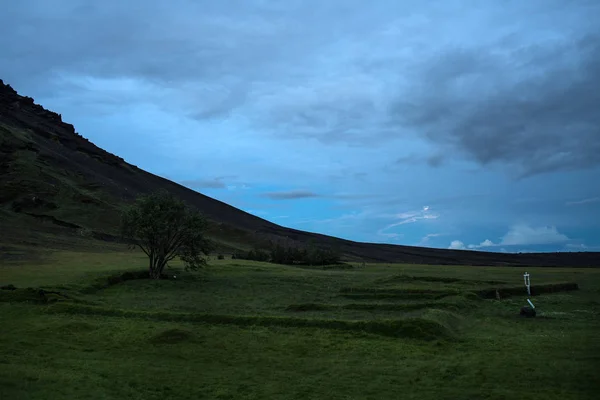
[58, 188]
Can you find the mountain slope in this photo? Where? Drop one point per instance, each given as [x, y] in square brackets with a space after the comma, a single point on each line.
[54, 183]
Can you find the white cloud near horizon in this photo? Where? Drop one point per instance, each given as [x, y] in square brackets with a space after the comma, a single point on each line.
[520, 235]
[526, 235]
[456, 245]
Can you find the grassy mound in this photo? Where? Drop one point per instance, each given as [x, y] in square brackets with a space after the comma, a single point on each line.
[440, 279]
[340, 266]
[377, 293]
[309, 307]
[450, 303]
[172, 336]
[31, 295]
[75, 327]
[414, 328]
[508, 291]
[449, 320]
[456, 302]
[110, 280]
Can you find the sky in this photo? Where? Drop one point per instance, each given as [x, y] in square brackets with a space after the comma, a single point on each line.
[447, 124]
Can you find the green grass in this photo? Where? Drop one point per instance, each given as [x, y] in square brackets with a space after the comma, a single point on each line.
[249, 330]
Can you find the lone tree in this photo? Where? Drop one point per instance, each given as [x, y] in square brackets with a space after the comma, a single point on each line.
[165, 228]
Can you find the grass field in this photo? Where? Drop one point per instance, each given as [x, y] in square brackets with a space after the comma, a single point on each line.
[249, 330]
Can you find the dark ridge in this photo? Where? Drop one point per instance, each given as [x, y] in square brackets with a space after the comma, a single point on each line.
[47, 168]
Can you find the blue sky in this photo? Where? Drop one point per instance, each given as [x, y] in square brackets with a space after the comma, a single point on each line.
[462, 124]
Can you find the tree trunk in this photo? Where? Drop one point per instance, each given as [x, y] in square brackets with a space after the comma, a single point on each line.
[157, 265]
[154, 274]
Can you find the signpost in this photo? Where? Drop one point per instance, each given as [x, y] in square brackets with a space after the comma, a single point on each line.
[527, 311]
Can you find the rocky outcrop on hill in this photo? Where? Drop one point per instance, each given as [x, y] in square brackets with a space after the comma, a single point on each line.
[22, 110]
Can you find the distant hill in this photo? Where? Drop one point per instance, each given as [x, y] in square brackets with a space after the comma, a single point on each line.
[56, 185]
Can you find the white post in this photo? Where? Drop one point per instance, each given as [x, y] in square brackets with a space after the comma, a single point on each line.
[527, 280]
[527, 283]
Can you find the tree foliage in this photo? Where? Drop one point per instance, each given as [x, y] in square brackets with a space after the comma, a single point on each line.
[165, 228]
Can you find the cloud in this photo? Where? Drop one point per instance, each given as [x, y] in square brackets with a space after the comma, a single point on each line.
[215, 183]
[527, 106]
[583, 201]
[425, 239]
[526, 235]
[485, 243]
[290, 195]
[432, 160]
[412, 216]
[261, 213]
[457, 245]
[356, 102]
[407, 218]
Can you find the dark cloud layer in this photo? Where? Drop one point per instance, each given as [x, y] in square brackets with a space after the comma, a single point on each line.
[354, 102]
[535, 108]
[529, 103]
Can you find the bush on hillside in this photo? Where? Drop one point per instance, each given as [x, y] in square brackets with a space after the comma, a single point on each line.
[279, 254]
